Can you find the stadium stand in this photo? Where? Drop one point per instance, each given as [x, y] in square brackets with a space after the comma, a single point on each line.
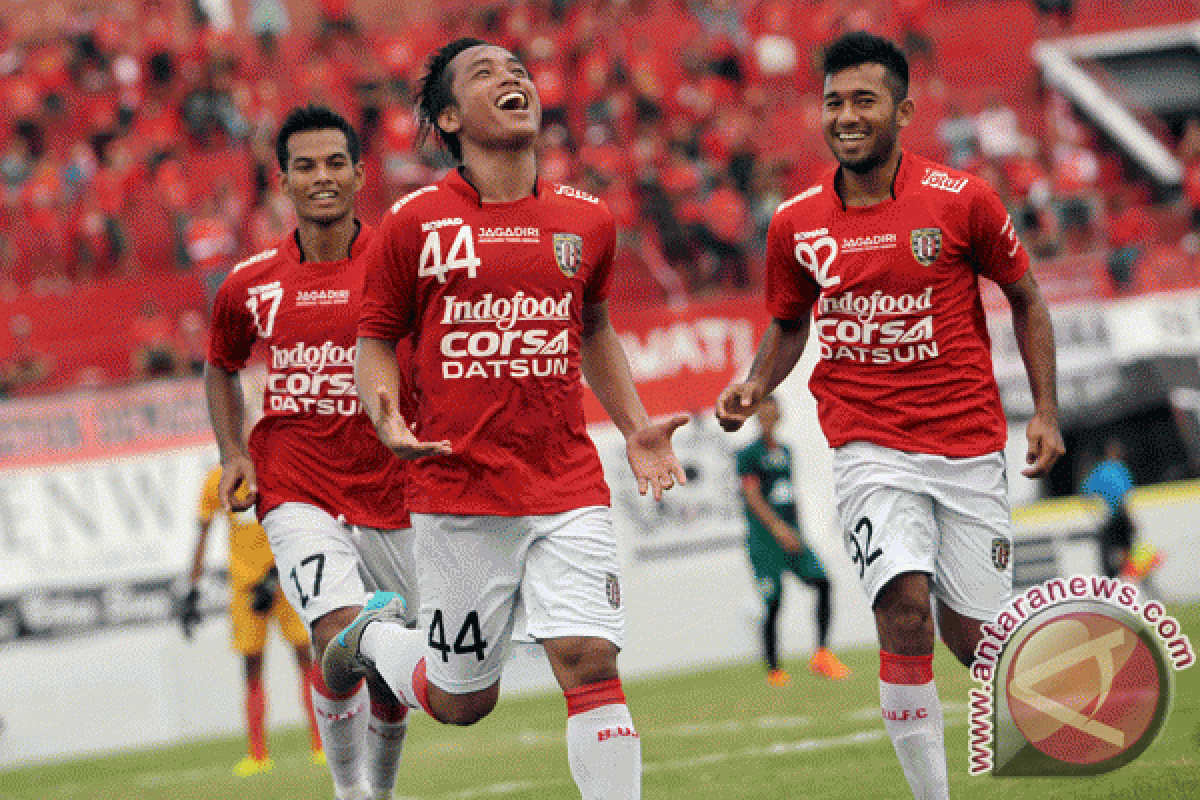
[137, 158]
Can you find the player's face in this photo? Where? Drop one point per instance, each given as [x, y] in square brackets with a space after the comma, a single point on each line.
[861, 118]
[768, 416]
[321, 179]
[496, 104]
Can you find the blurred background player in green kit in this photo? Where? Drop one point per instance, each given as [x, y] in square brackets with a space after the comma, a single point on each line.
[776, 545]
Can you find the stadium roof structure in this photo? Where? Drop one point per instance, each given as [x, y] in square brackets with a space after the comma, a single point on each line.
[1119, 80]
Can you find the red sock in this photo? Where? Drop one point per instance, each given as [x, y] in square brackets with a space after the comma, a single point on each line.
[421, 686]
[594, 695]
[256, 713]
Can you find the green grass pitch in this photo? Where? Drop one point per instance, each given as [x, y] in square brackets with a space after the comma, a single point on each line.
[714, 735]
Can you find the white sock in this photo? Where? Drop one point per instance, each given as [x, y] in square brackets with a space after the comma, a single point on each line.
[398, 654]
[342, 723]
[385, 744]
[603, 747]
[912, 715]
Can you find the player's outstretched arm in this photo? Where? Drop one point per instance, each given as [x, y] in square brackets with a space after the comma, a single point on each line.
[377, 377]
[781, 347]
[223, 389]
[1035, 338]
[647, 444]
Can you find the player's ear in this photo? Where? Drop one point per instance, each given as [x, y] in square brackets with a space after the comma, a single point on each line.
[904, 112]
[283, 180]
[360, 175]
[449, 121]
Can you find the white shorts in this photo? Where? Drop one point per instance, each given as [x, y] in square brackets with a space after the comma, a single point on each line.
[326, 564]
[560, 571]
[916, 512]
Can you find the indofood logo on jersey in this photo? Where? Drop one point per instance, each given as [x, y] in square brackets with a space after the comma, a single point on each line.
[878, 328]
[1076, 678]
[505, 337]
[303, 379]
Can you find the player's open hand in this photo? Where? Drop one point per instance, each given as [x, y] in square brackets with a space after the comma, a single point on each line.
[238, 489]
[652, 457]
[397, 437]
[1045, 445]
[736, 404]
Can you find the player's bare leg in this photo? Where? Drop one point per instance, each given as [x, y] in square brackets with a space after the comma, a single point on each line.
[603, 747]
[912, 712]
[960, 633]
[358, 744]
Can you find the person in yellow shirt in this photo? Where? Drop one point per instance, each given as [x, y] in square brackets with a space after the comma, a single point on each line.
[256, 597]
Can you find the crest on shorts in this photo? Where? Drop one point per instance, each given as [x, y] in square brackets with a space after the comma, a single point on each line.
[568, 252]
[926, 245]
[1001, 553]
[612, 588]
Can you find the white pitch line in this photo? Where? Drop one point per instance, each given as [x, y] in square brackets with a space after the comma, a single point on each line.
[203, 774]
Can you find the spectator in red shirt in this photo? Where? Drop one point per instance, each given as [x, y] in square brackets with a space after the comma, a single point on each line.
[155, 353]
[192, 338]
[335, 19]
[271, 220]
[211, 243]
[1130, 230]
[95, 246]
[722, 230]
[172, 196]
[28, 366]
[1074, 172]
[44, 250]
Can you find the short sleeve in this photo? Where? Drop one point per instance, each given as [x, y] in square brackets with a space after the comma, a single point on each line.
[389, 275]
[997, 251]
[232, 335]
[597, 288]
[790, 291]
[745, 462]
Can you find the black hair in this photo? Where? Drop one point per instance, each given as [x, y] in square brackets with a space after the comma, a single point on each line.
[315, 118]
[435, 93]
[859, 47]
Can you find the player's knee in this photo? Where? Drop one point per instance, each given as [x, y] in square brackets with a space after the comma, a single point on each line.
[463, 709]
[903, 613]
[329, 626]
[579, 661]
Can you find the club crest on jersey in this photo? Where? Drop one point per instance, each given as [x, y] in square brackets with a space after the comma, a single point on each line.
[568, 252]
[926, 244]
[1001, 553]
[612, 587]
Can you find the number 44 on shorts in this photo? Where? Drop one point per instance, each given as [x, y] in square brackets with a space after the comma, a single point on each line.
[469, 639]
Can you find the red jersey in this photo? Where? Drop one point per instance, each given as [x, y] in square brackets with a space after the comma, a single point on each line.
[905, 357]
[493, 294]
[314, 443]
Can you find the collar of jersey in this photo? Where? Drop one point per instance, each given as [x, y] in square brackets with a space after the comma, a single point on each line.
[899, 182]
[456, 181]
[358, 245]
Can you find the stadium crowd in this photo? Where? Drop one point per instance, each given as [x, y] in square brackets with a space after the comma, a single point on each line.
[138, 140]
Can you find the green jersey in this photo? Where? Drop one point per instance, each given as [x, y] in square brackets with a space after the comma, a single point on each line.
[773, 468]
